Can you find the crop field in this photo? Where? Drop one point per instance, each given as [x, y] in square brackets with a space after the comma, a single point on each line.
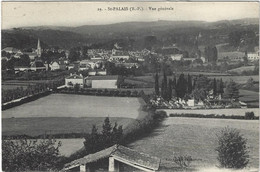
[227, 112]
[67, 105]
[195, 137]
[56, 125]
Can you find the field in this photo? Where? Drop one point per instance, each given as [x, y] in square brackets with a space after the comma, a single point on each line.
[67, 105]
[196, 138]
[64, 113]
[250, 97]
[237, 79]
[242, 69]
[55, 125]
[227, 112]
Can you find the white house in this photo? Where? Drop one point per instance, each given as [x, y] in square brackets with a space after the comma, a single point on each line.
[253, 56]
[176, 57]
[109, 81]
[10, 50]
[74, 79]
[58, 65]
[38, 65]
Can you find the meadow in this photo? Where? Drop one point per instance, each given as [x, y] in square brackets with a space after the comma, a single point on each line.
[249, 97]
[197, 138]
[68, 105]
[66, 113]
[56, 125]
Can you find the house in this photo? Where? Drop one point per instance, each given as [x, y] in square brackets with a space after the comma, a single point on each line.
[101, 72]
[127, 65]
[21, 68]
[58, 65]
[10, 50]
[74, 79]
[119, 55]
[115, 158]
[18, 54]
[108, 81]
[32, 55]
[176, 57]
[253, 56]
[37, 65]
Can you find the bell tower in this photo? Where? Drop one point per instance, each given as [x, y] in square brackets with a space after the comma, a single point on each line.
[39, 50]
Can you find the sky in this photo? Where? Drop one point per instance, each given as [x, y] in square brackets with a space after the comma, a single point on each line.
[22, 14]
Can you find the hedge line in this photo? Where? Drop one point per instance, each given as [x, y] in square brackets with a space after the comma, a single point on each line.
[25, 100]
[248, 116]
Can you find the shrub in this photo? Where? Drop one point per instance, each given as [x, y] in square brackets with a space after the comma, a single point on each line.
[182, 161]
[232, 149]
[249, 115]
[26, 155]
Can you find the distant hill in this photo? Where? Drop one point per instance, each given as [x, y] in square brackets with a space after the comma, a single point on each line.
[27, 38]
[167, 32]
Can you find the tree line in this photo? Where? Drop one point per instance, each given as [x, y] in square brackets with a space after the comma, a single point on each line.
[187, 86]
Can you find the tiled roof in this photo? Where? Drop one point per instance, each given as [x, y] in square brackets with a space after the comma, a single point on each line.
[118, 151]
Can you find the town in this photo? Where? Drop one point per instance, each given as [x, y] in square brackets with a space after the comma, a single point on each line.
[166, 95]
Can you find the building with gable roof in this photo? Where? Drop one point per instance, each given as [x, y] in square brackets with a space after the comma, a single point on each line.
[115, 158]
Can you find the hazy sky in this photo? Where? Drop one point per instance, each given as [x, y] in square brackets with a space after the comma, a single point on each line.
[17, 14]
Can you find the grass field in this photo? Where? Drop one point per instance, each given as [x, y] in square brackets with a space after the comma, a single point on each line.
[227, 112]
[243, 68]
[237, 79]
[65, 113]
[250, 97]
[55, 125]
[196, 138]
[67, 105]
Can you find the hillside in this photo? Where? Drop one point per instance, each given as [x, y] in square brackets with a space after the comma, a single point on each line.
[166, 32]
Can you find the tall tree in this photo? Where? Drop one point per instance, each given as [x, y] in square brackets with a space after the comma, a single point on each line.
[215, 87]
[181, 88]
[189, 84]
[164, 86]
[106, 132]
[231, 90]
[156, 84]
[169, 92]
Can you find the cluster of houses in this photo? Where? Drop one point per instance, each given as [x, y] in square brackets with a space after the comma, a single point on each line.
[236, 56]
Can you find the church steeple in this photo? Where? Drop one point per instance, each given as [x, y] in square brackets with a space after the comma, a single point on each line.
[39, 50]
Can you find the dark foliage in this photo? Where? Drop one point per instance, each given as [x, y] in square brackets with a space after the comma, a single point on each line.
[232, 149]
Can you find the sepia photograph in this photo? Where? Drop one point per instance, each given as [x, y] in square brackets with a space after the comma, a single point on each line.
[130, 86]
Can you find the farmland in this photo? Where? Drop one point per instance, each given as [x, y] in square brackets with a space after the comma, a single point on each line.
[62, 113]
[196, 138]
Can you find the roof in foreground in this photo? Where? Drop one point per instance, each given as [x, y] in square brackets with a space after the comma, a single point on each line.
[130, 155]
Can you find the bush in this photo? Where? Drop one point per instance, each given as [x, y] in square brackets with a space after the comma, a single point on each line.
[232, 149]
[249, 115]
[183, 161]
[26, 155]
